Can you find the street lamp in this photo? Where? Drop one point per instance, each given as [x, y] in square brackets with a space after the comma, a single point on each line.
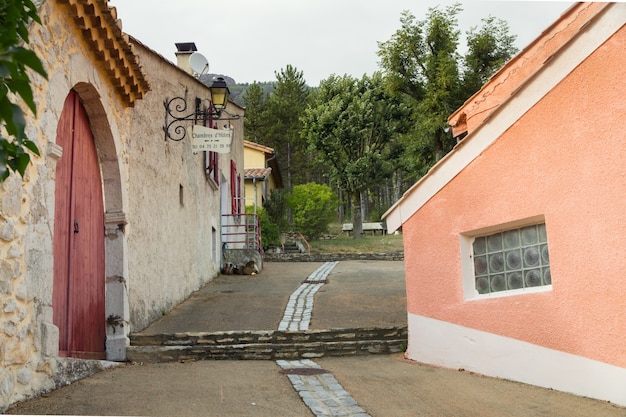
[219, 96]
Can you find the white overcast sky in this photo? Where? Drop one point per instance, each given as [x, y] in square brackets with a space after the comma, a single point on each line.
[249, 40]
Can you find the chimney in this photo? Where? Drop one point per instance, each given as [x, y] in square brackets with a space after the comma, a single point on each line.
[183, 52]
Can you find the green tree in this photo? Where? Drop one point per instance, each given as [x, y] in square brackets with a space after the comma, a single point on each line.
[314, 207]
[254, 122]
[489, 48]
[421, 62]
[349, 124]
[15, 60]
[286, 106]
[276, 208]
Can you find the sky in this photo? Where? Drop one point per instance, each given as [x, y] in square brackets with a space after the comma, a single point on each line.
[250, 40]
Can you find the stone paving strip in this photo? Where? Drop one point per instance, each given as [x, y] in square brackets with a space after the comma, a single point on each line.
[319, 390]
[300, 306]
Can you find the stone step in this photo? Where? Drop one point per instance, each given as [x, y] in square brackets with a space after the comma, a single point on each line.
[291, 248]
[268, 345]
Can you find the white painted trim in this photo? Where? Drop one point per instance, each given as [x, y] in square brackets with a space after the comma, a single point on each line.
[511, 110]
[448, 345]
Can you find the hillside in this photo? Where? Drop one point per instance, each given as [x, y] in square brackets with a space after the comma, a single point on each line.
[237, 90]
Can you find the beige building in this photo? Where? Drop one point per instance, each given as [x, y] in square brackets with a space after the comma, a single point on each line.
[261, 173]
[116, 222]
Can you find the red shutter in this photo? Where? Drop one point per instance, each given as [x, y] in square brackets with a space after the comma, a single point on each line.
[233, 186]
[214, 159]
[213, 168]
[216, 167]
[239, 199]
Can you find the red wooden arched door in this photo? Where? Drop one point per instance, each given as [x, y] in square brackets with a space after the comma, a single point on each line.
[79, 282]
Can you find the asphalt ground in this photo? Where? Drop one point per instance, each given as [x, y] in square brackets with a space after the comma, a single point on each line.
[358, 294]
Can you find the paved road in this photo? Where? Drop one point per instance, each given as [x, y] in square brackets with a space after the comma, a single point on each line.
[358, 294]
[365, 293]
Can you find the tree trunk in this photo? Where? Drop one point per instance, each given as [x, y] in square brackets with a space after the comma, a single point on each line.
[289, 189]
[341, 206]
[364, 205]
[357, 223]
[397, 187]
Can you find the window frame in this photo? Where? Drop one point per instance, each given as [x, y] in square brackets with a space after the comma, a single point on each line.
[467, 260]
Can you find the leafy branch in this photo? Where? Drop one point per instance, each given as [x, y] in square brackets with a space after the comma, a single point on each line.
[15, 60]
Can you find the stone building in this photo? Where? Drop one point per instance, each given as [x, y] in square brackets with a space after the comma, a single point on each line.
[115, 223]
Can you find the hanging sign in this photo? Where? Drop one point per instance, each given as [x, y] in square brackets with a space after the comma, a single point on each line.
[207, 139]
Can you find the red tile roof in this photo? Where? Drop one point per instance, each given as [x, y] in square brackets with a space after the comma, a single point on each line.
[111, 47]
[257, 173]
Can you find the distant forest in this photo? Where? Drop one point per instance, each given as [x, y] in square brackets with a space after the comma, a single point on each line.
[371, 138]
[237, 90]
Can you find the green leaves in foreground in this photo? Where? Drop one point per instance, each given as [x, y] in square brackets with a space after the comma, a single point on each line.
[15, 61]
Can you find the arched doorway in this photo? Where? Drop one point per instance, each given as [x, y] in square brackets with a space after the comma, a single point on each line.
[79, 238]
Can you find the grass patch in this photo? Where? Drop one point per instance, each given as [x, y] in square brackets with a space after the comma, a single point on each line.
[368, 244]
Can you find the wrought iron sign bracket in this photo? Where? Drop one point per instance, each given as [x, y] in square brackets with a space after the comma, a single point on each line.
[178, 117]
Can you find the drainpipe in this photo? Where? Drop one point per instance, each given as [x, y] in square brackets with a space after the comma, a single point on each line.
[255, 193]
[266, 165]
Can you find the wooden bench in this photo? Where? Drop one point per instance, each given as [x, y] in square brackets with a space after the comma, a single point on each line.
[371, 228]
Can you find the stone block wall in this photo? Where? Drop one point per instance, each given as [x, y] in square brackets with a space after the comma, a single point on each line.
[23, 334]
[267, 345]
[161, 214]
[331, 257]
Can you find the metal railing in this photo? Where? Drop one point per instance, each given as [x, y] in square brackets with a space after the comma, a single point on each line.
[304, 241]
[241, 231]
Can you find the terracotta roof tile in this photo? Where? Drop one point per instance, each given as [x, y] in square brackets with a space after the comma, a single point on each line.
[111, 47]
[257, 172]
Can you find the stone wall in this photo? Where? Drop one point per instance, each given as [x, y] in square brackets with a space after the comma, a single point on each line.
[162, 215]
[173, 213]
[267, 345]
[330, 257]
[28, 338]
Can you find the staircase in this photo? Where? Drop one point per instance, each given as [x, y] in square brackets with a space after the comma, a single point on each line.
[268, 345]
[291, 247]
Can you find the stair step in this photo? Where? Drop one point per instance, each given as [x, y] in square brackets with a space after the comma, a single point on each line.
[269, 345]
[291, 247]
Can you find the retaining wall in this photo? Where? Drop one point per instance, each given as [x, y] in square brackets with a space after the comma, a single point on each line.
[266, 345]
[330, 257]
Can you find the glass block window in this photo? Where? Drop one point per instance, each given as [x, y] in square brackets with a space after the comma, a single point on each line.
[512, 260]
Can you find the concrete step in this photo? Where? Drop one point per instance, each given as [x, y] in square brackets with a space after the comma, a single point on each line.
[291, 248]
[268, 345]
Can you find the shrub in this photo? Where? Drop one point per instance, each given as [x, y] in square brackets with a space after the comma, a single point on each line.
[276, 207]
[270, 234]
[313, 208]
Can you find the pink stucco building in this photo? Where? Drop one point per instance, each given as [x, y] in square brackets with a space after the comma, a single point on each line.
[515, 242]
